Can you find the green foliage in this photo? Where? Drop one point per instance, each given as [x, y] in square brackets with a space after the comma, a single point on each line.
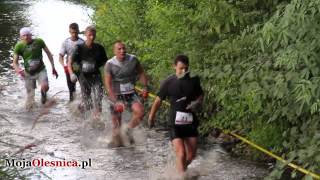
[292, 38]
[9, 173]
[257, 59]
[267, 134]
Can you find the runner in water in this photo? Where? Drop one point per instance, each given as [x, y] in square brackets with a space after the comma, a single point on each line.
[67, 47]
[121, 73]
[91, 57]
[185, 96]
[30, 49]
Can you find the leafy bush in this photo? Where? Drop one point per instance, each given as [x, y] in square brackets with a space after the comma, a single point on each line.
[258, 62]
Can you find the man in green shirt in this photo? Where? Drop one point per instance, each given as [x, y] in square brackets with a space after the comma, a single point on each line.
[30, 49]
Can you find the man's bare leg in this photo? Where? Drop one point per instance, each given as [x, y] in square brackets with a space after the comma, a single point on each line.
[191, 149]
[137, 114]
[30, 99]
[116, 140]
[179, 148]
[30, 89]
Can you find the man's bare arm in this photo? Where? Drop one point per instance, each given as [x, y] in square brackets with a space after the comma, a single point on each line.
[154, 108]
[108, 86]
[15, 63]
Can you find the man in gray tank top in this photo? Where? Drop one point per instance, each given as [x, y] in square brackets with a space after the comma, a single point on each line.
[121, 73]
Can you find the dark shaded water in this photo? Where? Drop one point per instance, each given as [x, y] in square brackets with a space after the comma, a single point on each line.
[60, 132]
[11, 18]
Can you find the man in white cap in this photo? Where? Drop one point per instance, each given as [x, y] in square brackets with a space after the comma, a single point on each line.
[30, 49]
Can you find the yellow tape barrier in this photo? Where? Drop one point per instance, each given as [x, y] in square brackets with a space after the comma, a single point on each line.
[316, 176]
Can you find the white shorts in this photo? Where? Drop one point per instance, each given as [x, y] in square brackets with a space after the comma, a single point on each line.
[30, 80]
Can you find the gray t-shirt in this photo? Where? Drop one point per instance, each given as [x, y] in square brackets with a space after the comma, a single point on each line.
[68, 46]
[124, 74]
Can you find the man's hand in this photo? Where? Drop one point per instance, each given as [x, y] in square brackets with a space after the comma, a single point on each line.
[150, 122]
[54, 72]
[66, 69]
[73, 77]
[194, 105]
[21, 74]
[145, 94]
[118, 107]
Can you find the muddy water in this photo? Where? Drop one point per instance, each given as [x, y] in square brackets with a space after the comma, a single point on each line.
[60, 133]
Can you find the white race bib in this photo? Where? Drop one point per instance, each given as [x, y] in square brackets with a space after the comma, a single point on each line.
[34, 64]
[126, 88]
[183, 118]
[88, 67]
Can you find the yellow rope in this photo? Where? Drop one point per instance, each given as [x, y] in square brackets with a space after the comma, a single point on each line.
[316, 176]
[275, 156]
[152, 95]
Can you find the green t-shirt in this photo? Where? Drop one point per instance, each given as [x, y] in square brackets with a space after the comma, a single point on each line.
[32, 51]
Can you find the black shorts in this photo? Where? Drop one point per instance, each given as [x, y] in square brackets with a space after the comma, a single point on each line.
[127, 100]
[183, 131]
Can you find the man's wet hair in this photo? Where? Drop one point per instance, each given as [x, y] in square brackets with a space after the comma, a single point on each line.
[91, 28]
[181, 58]
[74, 26]
[118, 41]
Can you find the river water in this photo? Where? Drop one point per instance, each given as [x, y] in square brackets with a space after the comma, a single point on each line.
[61, 133]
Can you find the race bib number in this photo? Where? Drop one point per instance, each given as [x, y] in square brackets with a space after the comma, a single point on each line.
[126, 88]
[183, 118]
[34, 64]
[88, 67]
